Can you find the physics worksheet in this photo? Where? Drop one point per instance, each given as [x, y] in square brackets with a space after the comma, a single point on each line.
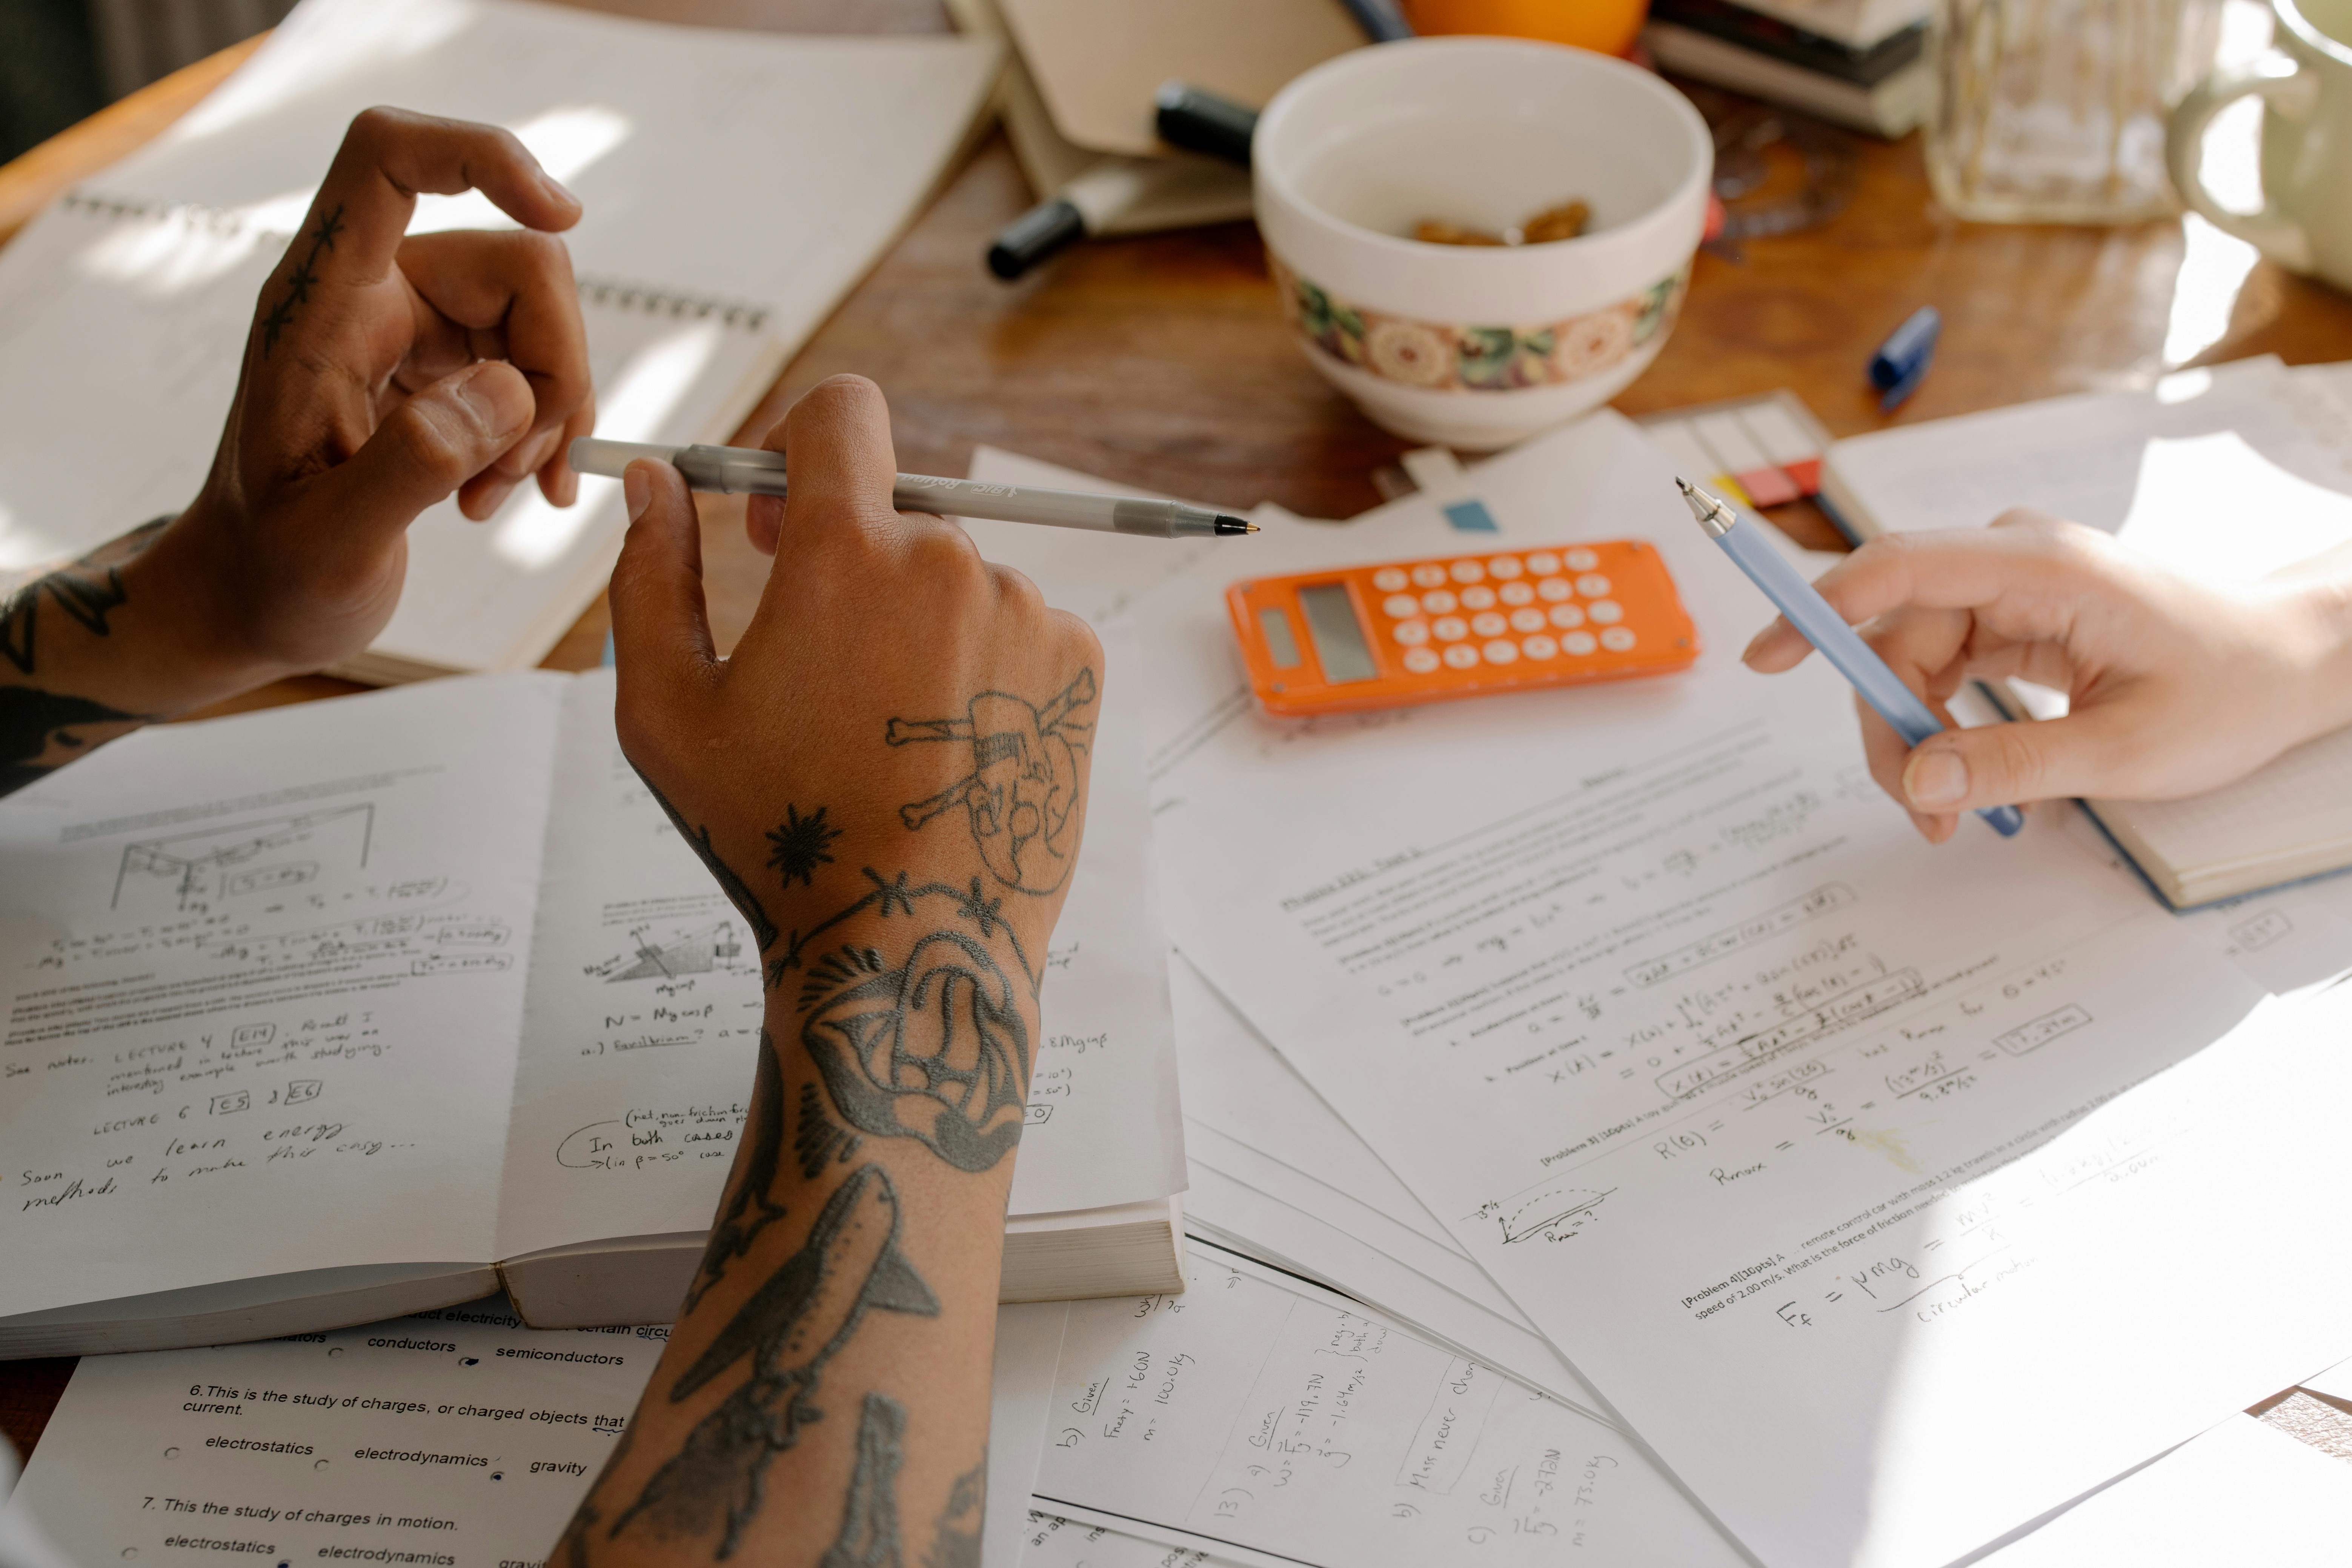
[1826, 1156]
[456, 1438]
[1262, 1419]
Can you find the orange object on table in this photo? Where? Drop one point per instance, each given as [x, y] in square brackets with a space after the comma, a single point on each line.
[1400, 632]
[1606, 27]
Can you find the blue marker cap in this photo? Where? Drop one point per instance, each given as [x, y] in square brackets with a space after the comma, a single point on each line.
[1902, 359]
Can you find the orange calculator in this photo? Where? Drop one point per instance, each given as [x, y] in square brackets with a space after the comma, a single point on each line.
[1462, 625]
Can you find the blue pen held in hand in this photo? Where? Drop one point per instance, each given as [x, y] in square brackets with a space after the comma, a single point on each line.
[1827, 631]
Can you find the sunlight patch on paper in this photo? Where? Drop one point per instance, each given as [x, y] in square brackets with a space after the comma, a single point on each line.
[170, 254]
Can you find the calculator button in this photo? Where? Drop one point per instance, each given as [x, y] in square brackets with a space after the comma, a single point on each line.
[1605, 612]
[1462, 656]
[1554, 589]
[1543, 564]
[1437, 601]
[1516, 593]
[1617, 639]
[1566, 615]
[1527, 620]
[1421, 661]
[1389, 579]
[1580, 559]
[1489, 624]
[1479, 598]
[1539, 646]
[1410, 634]
[1449, 628]
[1429, 575]
[1468, 571]
[1578, 643]
[1502, 651]
[1503, 568]
[1592, 585]
[1401, 606]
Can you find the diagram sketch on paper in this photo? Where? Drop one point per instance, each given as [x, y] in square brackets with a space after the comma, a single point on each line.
[696, 952]
[186, 873]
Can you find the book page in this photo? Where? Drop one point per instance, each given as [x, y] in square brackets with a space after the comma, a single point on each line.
[1259, 1418]
[262, 980]
[440, 1439]
[645, 1006]
[1761, 1109]
[2228, 473]
[446, 1438]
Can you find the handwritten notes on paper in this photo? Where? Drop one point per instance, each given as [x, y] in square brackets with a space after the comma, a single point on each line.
[1655, 1002]
[274, 966]
[1255, 1414]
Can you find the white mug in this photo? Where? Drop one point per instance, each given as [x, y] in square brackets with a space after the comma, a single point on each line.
[2304, 80]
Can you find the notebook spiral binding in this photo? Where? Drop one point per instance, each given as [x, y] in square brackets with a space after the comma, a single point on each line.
[620, 295]
[609, 293]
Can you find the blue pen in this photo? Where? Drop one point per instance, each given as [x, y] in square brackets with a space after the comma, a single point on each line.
[1827, 631]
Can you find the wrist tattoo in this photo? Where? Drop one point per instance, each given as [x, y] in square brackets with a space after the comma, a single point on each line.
[869, 1514]
[87, 591]
[1021, 794]
[739, 892]
[957, 1544]
[784, 1334]
[41, 729]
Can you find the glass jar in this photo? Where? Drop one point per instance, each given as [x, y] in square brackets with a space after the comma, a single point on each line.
[2054, 110]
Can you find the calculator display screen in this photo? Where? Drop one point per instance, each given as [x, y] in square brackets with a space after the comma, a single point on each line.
[1339, 637]
[1274, 625]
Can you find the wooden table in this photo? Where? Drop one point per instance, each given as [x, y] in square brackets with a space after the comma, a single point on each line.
[1162, 362]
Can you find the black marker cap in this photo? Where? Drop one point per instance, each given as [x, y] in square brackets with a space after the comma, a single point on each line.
[1203, 123]
[1033, 237]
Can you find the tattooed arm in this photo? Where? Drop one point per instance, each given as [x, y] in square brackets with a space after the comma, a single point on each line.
[888, 778]
[382, 373]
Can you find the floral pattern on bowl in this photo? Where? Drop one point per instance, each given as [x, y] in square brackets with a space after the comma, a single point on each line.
[1444, 357]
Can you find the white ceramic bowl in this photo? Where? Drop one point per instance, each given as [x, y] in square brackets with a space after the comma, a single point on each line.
[1471, 346]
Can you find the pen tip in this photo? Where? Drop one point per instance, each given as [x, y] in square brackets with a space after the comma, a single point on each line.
[1235, 525]
[1711, 513]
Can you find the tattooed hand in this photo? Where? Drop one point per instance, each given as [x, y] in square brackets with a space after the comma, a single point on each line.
[890, 779]
[382, 373]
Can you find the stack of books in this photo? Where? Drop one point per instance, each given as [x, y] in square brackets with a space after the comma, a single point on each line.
[1859, 63]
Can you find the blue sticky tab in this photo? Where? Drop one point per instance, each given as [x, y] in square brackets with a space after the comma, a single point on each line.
[607, 659]
[1470, 517]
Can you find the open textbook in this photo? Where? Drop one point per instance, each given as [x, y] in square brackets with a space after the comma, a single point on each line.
[2229, 475]
[362, 1006]
[696, 154]
[1829, 1158]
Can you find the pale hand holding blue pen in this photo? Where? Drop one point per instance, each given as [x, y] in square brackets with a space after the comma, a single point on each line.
[1823, 627]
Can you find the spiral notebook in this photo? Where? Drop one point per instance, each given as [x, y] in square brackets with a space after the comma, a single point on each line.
[736, 186]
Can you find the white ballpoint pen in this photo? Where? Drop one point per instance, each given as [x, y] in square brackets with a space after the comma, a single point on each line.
[747, 470]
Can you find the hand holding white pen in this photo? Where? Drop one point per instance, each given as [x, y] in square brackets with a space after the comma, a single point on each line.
[2176, 687]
